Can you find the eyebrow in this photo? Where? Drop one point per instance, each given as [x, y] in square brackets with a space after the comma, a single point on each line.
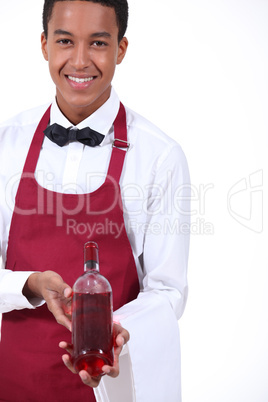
[102, 34]
[62, 32]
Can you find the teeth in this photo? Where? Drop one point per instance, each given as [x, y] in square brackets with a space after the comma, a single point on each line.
[80, 80]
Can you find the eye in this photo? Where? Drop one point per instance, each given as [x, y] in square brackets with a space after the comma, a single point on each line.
[64, 41]
[99, 43]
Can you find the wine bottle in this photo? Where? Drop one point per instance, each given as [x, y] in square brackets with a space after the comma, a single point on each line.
[92, 317]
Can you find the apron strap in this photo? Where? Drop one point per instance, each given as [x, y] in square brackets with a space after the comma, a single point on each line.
[37, 141]
[120, 145]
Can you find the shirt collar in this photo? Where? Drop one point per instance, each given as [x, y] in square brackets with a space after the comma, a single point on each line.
[102, 120]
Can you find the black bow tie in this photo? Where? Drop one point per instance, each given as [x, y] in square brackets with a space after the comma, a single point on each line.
[62, 136]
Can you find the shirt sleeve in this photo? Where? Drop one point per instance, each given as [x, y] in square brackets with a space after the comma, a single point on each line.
[11, 286]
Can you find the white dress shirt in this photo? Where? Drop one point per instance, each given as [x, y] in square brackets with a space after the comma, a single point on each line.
[155, 192]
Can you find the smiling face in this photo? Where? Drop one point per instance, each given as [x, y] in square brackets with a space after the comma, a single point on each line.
[82, 50]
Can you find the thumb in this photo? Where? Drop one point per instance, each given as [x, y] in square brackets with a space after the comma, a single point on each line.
[67, 292]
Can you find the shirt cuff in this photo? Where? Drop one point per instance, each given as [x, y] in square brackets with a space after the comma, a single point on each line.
[11, 286]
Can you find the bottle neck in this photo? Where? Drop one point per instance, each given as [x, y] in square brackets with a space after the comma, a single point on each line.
[91, 257]
[91, 265]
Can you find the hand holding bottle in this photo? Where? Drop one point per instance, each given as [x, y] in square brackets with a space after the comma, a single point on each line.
[50, 287]
[121, 337]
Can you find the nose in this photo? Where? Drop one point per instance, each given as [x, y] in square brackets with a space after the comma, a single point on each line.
[80, 57]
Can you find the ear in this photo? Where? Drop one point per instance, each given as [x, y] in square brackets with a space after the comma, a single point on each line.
[44, 46]
[122, 49]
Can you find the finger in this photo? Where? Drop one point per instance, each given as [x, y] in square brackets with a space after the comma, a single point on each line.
[118, 330]
[67, 306]
[119, 343]
[59, 314]
[66, 346]
[88, 380]
[111, 371]
[125, 334]
[57, 307]
[65, 321]
[67, 293]
[68, 363]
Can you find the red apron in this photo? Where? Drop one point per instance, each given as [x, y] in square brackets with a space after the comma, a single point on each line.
[48, 231]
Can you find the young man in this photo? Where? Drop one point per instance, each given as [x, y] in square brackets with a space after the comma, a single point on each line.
[125, 187]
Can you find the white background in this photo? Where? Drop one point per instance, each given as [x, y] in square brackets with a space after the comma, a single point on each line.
[198, 69]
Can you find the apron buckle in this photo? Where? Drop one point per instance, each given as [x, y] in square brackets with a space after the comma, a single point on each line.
[122, 144]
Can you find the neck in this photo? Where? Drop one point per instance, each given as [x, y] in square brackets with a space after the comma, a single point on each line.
[76, 111]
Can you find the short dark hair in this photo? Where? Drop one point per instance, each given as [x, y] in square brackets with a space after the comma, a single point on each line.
[120, 7]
